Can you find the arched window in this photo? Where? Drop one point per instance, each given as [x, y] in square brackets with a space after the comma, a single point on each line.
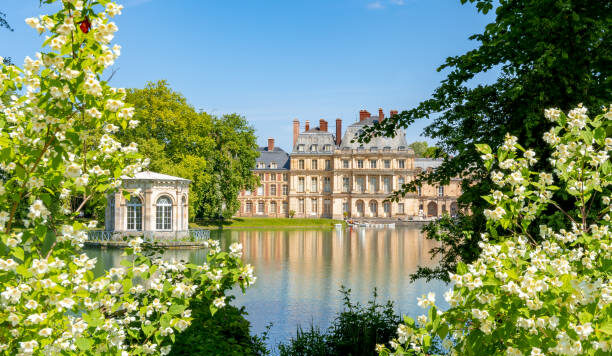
[163, 214]
[134, 214]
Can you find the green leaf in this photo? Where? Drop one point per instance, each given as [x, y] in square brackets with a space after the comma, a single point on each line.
[83, 343]
[483, 148]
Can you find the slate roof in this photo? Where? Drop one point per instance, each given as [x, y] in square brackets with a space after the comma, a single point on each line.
[315, 141]
[277, 155]
[148, 175]
[354, 130]
[425, 163]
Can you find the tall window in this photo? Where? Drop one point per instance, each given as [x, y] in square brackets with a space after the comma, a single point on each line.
[273, 207]
[285, 177]
[314, 164]
[326, 184]
[315, 205]
[273, 176]
[163, 214]
[359, 163]
[441, 191]
[346, 184]
[400, 208]
[387, 163]
[313, 184]
[400, 182]
[345, 207]
[401, 163]
[285, 207]
[301, 206]
[373, 184]
[345, 163]
[134, 214]
[300, 187]
[360, 184]
[260, 190]
[327, 207]
[372, 163]
[327, 165]
[419, 190]
[387, 184]
[249, 207]
[260, 207]
[273, 189]
[301, 164]
[285, 189]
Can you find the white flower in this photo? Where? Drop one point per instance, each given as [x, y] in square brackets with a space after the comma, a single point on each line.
[552, 114]
[31, 304]
[36, 318]
[27, 347]
[428, 301]
[219, 302]
[66, 303]
[46, 332]
[113, 105]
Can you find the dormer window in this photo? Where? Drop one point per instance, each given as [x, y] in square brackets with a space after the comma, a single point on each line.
[327, 148]
[373, 149]
[360, 148]
[313, 148]
[386, 149]
[300, 148]
[401, 148]
[273, 165]
[261, 165]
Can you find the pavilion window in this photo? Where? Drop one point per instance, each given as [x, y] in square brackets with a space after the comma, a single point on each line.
[327, 164]
[400, 208]
[401, 163]
[273, 190]
[346, 184]
[387, 163]
[326, 184]
[260, 207]
[314, 184]
[285, 189]
[300, 187]
[372, 163]
[163, 214]
[249, 207]
[134, 214]
[314, 164]
[441, 191]
[345, 163]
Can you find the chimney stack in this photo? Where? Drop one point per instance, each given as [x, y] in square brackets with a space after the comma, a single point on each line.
[307, 127]
[323, 125]
[296, 130]
[338, 131]
[363, 114]
[270, 144]
[381, 114]
[393, 113]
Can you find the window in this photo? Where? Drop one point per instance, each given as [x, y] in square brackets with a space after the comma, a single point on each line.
[285, 189]
[345, 163]
[327, 165]
[163, 214]
[401, 163]
[400, 182]
[249, 207]
[300, 148]
[273, 190]
[387, 208]
[387, 184]
[273, 165]
[273, 177]
[260, 207]
[441, 191]
[314, 164]
[326, 184]
[134, 214]
[373, 184]
[360, 184]
[345, 207]
[313, 184]
[419, 190]
[315, 205]
[261, 176]
[285, 177]
[327, 148]
[261, 165]
[346, 184]
[260, 190]
[300, 187]
[386, 149]
[301, 206]
[359, 163]
[327, 207]
[373, 149]
[372, 163]
[313, 148]
[301, 164]
[247, 192]
[285, 207]
[387, 163]
[400, 208]
[273, 207]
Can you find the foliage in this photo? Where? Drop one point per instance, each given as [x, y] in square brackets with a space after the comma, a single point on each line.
[216, 153]
[291, 213]
[547, 52]
[521, 296]
[57, 141]
[355, 331]
[4, 23]
[422, 149]
[227, 332]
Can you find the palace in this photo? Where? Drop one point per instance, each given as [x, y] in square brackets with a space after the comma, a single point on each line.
[328, 175]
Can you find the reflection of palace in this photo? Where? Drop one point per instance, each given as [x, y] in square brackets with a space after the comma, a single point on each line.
[330, 176]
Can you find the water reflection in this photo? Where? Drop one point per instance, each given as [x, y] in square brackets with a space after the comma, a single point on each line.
[300, 272]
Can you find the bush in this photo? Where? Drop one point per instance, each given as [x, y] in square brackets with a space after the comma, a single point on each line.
[355, 331]
[225, 333]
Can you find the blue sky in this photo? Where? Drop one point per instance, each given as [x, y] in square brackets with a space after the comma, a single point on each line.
[273, 61]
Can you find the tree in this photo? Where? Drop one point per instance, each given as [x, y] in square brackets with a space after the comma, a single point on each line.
[217, 154]
[548, 52]
[419, 148]
[5, 24]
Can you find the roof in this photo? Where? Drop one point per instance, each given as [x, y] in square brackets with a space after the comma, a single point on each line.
[380, 142]
[315, 141]
[277, 155]
[148, 175]
[425, 163]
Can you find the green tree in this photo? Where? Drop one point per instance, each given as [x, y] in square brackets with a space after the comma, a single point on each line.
[217, 154]
[548, 53]
[419, 148]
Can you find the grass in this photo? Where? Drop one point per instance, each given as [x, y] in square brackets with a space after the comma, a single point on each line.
[266, 222]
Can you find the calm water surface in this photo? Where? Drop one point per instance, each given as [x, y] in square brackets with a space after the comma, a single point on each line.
[299, 272]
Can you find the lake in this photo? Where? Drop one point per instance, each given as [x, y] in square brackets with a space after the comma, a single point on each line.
[299, 272]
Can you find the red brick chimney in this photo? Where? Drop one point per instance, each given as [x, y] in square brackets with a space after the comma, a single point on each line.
[296, 130]
[270, 144]
[393, 112]
[381, 114]
[323, 125]
[338, 131]
[307, 127]
[363, 114]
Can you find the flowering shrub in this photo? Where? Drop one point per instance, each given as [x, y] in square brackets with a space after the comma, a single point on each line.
[56, 142]
[523, 297]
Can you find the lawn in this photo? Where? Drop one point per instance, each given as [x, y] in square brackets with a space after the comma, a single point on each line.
[266, 223]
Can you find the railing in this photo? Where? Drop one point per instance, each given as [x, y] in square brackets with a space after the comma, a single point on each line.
[150, 236]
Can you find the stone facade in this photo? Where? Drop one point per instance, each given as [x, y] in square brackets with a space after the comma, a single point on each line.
[158, 204]
[331, 176]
